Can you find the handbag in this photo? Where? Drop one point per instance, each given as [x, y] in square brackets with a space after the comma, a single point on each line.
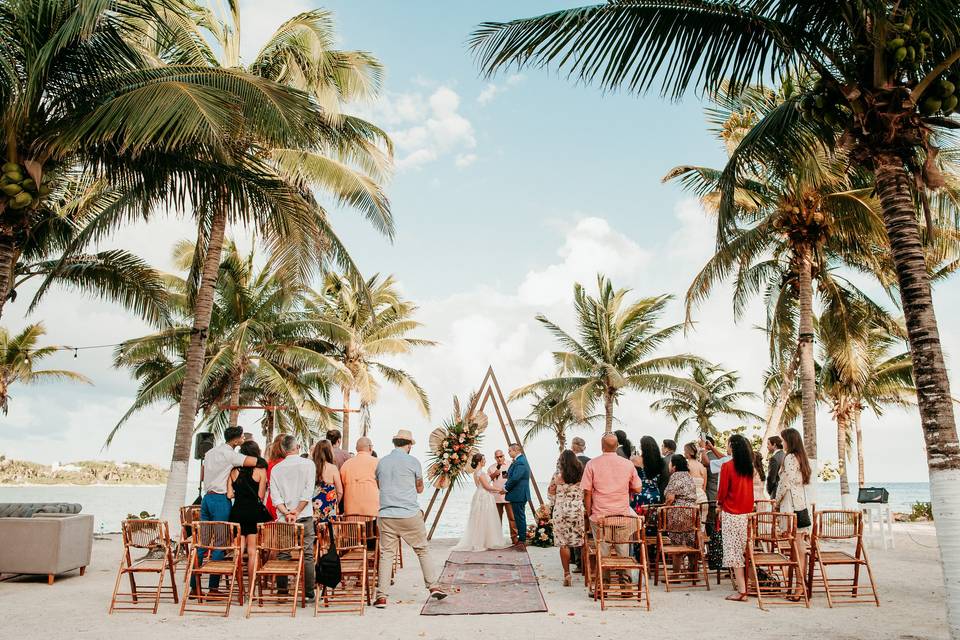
[803, 518]
[328, 565]
[715, 547]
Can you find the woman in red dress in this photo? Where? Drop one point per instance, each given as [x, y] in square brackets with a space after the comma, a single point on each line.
[735, 501]
[274, 455]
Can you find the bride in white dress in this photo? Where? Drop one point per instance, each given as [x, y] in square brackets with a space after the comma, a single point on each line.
[484, 529]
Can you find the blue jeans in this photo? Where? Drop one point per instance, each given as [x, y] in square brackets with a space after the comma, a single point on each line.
[520, 517]
[214, 507]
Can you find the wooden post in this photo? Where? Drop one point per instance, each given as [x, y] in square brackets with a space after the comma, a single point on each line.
[436, 520]
[426, 514]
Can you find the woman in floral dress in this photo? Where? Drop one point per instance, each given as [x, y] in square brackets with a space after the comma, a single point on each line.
[568, 519]
[328, 489]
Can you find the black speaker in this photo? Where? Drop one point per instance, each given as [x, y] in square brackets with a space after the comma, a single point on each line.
[202, 443]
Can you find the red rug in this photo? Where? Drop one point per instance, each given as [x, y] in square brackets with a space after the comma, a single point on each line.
[488, 582]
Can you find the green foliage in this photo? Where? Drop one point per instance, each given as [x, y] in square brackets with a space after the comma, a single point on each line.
[921, 511]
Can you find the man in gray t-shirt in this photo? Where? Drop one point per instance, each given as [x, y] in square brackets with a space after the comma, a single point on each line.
[400, 478]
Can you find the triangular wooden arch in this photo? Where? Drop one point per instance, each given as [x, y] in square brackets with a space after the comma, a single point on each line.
[489, 391]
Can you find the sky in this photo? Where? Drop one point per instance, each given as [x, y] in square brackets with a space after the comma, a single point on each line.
[507, 191]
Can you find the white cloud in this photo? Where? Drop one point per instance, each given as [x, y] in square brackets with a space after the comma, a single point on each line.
[491, 90]
[425, 127]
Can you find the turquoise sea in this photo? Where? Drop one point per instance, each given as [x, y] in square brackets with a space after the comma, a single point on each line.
[111, 504]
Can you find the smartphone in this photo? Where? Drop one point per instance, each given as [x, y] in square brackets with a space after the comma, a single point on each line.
[503, 474]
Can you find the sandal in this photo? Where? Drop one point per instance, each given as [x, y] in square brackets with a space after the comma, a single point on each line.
[737, 597]
[567, 580]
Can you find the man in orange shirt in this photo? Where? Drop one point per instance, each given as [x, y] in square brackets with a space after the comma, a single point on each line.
[361, 495]
[608, 480]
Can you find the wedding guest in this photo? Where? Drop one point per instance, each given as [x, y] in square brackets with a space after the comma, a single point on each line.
[498, 472]
[668, 448]
[358, 479]
[735, 501]
[795, 476]
[774, 462]
[608, 480]
[291, 487]
[517, 490]
[578, 445]
[327, 489]
[709, 454]
[340, 456]
[247, 488]
[400, 478]
[680, 492]
[274, 455]
[653, 474]
[624, 446]
[568, 521]
[697, 471]
[759, 476]
[218, 463]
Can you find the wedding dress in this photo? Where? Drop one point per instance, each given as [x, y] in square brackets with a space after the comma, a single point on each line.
[484, 529]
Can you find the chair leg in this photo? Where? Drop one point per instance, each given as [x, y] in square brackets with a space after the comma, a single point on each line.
[186, 581]
[83, 570]
[173, 577]
[116, 587]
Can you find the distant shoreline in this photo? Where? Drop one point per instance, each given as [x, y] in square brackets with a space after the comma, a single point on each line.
[77, 484]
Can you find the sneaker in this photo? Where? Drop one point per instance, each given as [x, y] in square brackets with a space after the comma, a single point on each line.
[438, 593]
[380, 603]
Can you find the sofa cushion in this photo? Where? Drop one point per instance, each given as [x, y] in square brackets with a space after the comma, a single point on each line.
[27, 509]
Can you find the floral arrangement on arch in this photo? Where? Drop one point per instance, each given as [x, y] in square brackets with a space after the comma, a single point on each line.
[452, 446]
[541, 534]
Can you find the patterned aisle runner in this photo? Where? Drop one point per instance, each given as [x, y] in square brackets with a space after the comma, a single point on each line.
[488, 582]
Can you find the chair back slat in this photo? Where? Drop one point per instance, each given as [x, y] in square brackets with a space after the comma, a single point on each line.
[145, 534]
[622, 530]
[763, 506]
[369, 523]
[838, 524]
[189, 514]
[216, 535]
[772, 527]
[349, 535]
[678, 519]
[279, 536]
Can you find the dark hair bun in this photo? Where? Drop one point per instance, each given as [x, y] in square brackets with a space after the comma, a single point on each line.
[475, 460]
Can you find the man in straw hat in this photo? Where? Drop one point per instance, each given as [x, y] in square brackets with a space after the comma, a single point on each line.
[400, 478]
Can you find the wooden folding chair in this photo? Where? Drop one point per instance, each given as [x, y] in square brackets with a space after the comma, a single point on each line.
[188, 515]
[681, 521]
[837, 527]
[621, 589]
[773, 560]
[589, 552]
[763, 506]
[274, 538]
[351, 595]
[372, 534]
[154, 537]
[210, 536]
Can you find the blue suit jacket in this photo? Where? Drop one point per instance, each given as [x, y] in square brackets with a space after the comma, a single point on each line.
[518, 480]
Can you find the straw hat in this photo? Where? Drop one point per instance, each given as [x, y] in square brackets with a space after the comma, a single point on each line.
[404, 434]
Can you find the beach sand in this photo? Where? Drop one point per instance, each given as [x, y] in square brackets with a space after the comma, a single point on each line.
[909, 579]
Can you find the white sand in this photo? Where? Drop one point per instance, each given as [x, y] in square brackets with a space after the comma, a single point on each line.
[909, 579]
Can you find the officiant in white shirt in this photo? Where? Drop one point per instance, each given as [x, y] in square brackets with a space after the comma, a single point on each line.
[498, 476]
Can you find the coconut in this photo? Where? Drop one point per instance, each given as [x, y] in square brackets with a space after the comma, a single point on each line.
[11, 189]
[29, 185]
[895, 44]
[900, 54]
[21, 200]
[10, 166]
[930, 106]
[14, 176]
[949, 104]
[946, 88]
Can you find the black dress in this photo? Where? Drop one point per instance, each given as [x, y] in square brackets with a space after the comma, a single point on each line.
[247, 510]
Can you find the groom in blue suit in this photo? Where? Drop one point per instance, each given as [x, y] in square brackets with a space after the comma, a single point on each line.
[517, 490]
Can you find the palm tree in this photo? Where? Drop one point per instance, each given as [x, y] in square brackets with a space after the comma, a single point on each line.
[886, 103]
[550, 414]
[790, 217]
[713, 393]
[79, 92]
[50, 253]
[361, 325]
[345, 160]
[616, 351]
[262, 350]
[18, 355]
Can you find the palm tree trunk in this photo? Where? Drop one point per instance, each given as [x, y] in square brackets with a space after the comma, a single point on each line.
[775, 419]
[176, 490]
[235, 379]
[561, 438]
[843, 423]
[9, 254]
[929, 370]
[345, 424]
[861, 480]
[808, 389]
[608, 410]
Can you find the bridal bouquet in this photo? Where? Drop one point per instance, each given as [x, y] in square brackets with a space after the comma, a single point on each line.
[452, 446]
[541, 534]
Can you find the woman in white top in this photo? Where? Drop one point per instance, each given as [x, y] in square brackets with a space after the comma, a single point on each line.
[792, 488]
[759, 478]
[484, 529]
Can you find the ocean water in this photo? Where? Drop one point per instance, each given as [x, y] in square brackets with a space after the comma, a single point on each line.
[111, 504]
